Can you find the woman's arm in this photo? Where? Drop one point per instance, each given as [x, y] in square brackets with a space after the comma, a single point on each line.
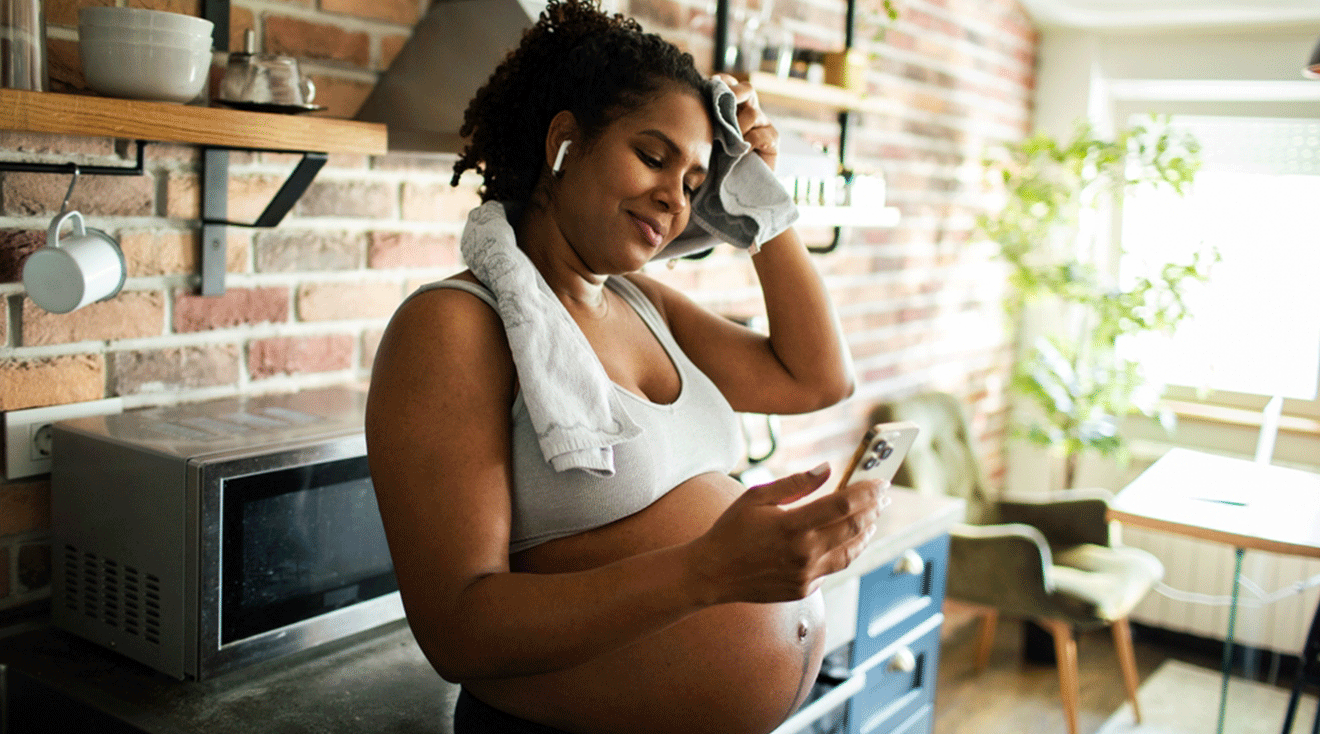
[438, 434]
[803, 364]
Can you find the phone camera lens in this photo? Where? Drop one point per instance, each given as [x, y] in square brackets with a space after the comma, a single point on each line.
[870, 462]
[886, 451]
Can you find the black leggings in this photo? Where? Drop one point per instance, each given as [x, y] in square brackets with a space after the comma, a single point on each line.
[473, 716]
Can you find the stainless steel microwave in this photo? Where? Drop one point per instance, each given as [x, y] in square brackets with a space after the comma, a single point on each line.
[201, 538]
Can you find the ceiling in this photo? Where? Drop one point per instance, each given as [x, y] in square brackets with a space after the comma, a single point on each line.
[1118, 14]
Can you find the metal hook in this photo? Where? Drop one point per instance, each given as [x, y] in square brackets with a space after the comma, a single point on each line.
[68, 194]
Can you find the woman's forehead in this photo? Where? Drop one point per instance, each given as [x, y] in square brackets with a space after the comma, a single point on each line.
[678, 115]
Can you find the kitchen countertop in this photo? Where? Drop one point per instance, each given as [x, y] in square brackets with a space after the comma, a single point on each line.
[377, 681]
[910, 520]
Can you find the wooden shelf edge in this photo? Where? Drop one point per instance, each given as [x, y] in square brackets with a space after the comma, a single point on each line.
[844, 216]
[72, 114]
[802, 94]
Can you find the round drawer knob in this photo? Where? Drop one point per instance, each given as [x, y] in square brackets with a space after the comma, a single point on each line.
[910, 563]
[903, 662]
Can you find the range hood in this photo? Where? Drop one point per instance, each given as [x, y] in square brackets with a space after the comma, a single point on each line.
[452, 52]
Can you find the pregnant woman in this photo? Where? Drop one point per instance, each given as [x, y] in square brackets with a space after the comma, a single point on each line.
[636, 586]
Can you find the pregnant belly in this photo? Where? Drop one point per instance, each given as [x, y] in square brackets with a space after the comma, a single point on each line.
[732, 668]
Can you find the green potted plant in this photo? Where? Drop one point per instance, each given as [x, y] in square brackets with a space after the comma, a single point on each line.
[1070, 367]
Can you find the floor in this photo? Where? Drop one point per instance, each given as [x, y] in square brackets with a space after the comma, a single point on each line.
[1016, 696]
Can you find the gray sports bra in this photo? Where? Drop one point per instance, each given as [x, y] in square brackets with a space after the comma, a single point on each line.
[696, 434]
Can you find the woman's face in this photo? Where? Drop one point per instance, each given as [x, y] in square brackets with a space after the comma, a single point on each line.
[627, 195]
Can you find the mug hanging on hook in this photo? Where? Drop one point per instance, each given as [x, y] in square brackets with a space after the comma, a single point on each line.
[70, 273]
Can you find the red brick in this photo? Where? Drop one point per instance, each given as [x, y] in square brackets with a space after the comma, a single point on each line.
[292, 250]
[342, 97]
[58, 146]
[667, 13]
[390, 46]
[345, 301]
[412, 250]
[24, 507]
[184, 7]
[438, 202]
[408, 163]
[248, 196]
[65, 12]
[129, 315]
[403, 12]
[370, 343]
[173, 154]
[41, 194]
[334, 198]
[164, 370]
[64, 66]
[348, 161]
[240, 20]
[15, 246]
[236, 307]
[304, 40]
[291, 355]
[174, 251]
[32, 383]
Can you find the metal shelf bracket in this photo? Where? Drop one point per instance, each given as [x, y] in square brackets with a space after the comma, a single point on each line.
[215, 210]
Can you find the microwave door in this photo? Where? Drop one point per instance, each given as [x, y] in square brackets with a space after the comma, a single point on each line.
[300, 554]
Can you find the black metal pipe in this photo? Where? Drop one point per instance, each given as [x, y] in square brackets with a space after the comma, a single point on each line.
[721, 33]
[137, 169]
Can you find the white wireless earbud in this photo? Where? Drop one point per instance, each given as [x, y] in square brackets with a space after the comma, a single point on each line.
[559, 157]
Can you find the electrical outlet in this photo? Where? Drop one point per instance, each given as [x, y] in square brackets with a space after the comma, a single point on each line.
[28, 433]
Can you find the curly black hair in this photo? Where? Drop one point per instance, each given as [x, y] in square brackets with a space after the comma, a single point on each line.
[575, 58]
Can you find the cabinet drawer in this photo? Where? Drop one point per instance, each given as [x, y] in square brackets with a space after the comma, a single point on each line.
[896, 597]
[922, 722]
[899, 685]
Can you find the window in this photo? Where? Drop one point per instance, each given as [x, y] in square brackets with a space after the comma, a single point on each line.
[1255, 326]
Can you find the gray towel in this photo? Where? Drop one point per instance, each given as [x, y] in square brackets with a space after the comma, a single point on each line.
[741, 201]
[575, 411]
[573, 406]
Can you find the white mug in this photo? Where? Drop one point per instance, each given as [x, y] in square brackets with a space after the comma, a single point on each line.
[66, 275]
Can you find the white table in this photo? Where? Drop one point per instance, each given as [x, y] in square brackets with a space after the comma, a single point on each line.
[1242, 503]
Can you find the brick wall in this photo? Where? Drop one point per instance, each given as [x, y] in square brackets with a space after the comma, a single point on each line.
[306, 302]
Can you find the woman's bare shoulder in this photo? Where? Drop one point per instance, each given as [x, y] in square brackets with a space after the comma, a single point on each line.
[439, 314]
[439, 340]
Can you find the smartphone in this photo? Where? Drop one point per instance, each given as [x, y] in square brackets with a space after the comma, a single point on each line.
[880, 452]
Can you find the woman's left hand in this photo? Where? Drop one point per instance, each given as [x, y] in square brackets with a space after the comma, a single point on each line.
[756, 127]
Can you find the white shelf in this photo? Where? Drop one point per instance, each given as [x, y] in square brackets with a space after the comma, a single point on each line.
[846, 216]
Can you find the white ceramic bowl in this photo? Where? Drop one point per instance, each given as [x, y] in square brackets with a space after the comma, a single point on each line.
[140, 71]
[143, 18]
[145, 36]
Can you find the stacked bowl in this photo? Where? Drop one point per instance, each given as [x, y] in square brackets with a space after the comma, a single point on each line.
[144, 54]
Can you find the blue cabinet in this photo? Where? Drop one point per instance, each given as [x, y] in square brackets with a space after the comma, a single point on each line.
[886, 675]
[897, 644]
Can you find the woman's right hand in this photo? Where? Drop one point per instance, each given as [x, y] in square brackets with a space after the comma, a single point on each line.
[761, 551]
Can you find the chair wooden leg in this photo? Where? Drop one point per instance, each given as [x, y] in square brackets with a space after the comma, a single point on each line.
[1128, 662]
[985, 640]
[1065, 649]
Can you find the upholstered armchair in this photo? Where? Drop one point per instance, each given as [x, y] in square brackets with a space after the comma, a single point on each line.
[1048, 559]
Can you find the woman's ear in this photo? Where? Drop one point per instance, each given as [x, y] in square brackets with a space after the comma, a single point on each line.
[558, 140]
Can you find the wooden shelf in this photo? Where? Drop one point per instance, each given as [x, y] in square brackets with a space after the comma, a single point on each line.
[71, 114]
[808, 97]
